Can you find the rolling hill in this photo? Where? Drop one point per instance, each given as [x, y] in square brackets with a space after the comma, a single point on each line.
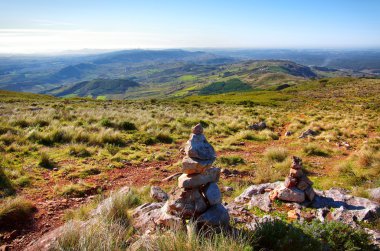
[95, 88]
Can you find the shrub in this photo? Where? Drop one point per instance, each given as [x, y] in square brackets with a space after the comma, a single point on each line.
[164, 138]
[106, 122]
[348, 238]
[6, 187]
[279, 235]
[105, 137]
[15, 211]
[79, 151]
[232, 160]
[46, 161]
[89, 171]
[276, 154]
[127, 126]
[314, 150]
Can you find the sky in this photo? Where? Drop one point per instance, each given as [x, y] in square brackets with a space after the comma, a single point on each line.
[37, 26]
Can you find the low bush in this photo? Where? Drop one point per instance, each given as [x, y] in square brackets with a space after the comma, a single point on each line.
[314, 150]
[276, 154]
[164, 138]
[46, 161]
[231, 160]
[79, 151]
[126, 126]
[14, 211]
[6, 187]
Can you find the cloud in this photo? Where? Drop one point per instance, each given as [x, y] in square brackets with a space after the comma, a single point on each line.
[54, 40]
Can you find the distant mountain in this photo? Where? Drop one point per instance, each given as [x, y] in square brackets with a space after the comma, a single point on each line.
[94, 88]
[144, 56]
[355, 60]
[72, 72]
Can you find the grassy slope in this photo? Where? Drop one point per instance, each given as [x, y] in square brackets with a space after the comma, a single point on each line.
[92, 144]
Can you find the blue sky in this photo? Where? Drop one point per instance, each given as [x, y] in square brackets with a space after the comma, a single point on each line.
[56, 25]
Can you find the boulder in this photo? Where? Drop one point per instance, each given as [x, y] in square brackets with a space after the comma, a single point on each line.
[150, 216]
[158, 194]
[308, 133]
[216, 215]
[359, 208]
[256, 189]
[258, 126]
[186, 203]
[197, 180]
[261, 201]
[290, 194]
[309, 193]
[198, 147]
[213, 194]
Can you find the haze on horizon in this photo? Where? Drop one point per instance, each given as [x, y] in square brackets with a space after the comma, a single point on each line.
[43, 26]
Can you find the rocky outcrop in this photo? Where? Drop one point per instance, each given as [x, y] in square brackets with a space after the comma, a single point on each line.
[333, 204]
[258, 126]
[308, 133]
[158, 194]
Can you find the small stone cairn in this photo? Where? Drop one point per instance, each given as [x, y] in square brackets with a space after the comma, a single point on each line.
[297, 186]
[198, 197]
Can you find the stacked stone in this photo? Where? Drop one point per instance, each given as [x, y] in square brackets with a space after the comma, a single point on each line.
[198, 196]
[297, 186]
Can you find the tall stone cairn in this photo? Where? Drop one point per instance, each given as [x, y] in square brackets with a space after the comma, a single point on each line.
[198, 196]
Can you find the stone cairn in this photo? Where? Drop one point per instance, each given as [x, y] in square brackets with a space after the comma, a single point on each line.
[197, 196]
[297, 186]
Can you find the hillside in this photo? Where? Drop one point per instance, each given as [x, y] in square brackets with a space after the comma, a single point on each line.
[61, 157]
[160, 71]
[95, 88]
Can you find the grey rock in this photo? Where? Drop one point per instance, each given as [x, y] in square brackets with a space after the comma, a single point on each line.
[256, 189]
[261, 201]
[288, 133]
[213, 194]
[195, 166]
[158, 194]
[360, 208]
[197, 180]
[290, 194]
[308, 133]
[198, 147]
[322, 213]
[309, 193]
[258, 126]
[186, 203]
[374, 193]
[150, 216]
[216, 215]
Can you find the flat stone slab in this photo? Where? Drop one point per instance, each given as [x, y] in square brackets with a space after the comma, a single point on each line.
[193, 165]
[196, 180]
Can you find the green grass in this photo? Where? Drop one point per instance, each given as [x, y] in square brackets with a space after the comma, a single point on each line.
[276, 154]
[232, 85]
[15, 211]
